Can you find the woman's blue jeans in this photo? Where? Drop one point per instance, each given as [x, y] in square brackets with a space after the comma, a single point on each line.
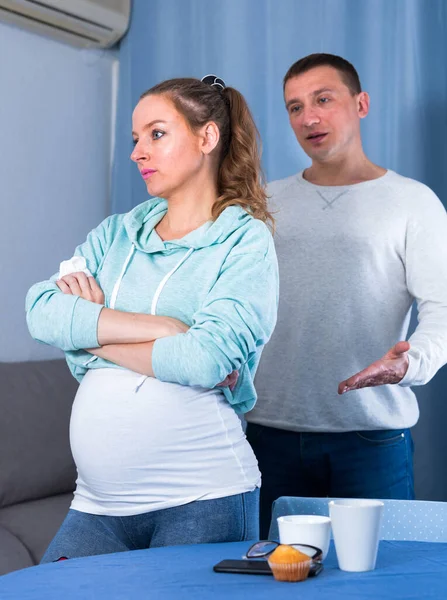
[229, 519]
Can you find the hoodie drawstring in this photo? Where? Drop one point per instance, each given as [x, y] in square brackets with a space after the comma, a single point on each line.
[116, 287]
[115, 291]
[158, 291]
[165, 279]
[155, 301]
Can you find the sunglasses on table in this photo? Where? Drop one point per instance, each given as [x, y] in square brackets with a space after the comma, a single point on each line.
[265, 548]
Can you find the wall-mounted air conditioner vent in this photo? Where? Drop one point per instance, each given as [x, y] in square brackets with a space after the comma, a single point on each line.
[84, 23]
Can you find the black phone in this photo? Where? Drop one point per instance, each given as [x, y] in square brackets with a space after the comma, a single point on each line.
[255, 567]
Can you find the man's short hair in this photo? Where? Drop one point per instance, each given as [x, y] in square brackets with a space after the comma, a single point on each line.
[347, 71]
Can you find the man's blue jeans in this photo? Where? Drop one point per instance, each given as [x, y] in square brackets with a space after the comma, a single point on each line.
[356, 464]
[229, 519]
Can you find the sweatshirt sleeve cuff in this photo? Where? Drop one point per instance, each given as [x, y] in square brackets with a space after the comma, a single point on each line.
[84, 324]
[161, 359]
[412, 371]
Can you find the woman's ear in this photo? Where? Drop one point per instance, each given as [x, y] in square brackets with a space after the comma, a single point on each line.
[210, 137]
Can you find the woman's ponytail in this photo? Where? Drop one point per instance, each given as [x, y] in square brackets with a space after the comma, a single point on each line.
[241, 179]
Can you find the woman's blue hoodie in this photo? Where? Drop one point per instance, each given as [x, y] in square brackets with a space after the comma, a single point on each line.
[221, 280]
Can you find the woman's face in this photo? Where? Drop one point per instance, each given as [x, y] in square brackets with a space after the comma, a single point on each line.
[168, 154]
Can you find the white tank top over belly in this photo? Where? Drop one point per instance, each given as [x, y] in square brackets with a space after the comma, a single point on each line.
[141, 444]
[161, 446]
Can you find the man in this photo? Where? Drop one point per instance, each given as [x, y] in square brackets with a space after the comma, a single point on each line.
[356, 245]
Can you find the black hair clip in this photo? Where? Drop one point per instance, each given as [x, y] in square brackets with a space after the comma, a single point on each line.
[214, 81]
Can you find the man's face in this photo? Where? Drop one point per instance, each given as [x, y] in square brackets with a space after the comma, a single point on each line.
[324, 114]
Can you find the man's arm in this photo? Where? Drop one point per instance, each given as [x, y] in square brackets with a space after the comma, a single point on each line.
[415, 362]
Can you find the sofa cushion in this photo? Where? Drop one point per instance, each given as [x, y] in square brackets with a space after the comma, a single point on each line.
[35, 523]
[13, 554]
[35, 406]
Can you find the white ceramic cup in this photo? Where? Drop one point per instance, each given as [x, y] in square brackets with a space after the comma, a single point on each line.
[356, 530]
[305, 529]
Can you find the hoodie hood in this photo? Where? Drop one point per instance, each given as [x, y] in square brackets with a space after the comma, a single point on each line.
[141, 221]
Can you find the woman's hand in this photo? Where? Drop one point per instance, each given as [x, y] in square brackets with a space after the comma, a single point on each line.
[173, 326]
[230, 381]
[78, 284]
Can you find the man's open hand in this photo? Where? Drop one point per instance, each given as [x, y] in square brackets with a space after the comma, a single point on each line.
[391, 368]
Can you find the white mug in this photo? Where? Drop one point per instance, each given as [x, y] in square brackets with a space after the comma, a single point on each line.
[356, 530]
[314, 530]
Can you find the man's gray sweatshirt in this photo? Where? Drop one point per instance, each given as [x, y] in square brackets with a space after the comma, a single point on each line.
[352, 259]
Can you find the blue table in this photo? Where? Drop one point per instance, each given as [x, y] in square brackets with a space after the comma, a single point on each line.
[405, 570]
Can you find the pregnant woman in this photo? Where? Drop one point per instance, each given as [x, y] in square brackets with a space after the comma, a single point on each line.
[162, 314]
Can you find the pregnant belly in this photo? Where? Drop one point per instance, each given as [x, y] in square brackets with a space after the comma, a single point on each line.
[162, 432]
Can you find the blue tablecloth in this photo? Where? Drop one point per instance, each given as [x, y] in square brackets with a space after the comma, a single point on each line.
[405, 570]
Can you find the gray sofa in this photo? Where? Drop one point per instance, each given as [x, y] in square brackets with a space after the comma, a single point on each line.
[37, 473]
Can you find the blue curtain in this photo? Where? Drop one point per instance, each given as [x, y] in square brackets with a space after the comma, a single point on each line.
[399, 48]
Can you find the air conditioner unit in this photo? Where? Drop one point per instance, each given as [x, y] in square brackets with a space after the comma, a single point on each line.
[83, 23]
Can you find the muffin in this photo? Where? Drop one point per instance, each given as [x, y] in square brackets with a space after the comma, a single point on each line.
[289, 564]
